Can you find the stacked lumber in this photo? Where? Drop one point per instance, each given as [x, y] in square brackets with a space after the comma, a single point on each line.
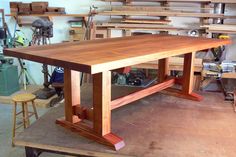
[19, 8]
[141, 26]
[14, 7]
[39, 7]
[24, 8]
[140, 17]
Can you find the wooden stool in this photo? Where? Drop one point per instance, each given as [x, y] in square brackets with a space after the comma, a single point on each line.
[23, 99]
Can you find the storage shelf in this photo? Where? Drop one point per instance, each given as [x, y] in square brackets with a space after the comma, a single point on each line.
[50, 15]
[190, 1]
[165, 13]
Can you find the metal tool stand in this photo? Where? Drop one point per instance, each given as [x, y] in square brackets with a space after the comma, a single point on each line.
[41, 36]
[24, 75]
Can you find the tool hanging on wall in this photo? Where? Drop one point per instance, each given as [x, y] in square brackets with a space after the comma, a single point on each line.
[42, 32]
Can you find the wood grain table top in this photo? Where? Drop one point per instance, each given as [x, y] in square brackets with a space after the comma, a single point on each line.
[108, 54]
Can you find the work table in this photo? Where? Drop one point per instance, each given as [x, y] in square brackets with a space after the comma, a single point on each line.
[99, 58]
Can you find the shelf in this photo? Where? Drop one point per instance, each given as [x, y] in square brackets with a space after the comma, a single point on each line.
[50, 15]
[189, 1]
[165, 13]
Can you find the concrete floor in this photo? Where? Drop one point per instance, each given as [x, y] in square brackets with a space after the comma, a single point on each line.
[216, 123]
[6, 150]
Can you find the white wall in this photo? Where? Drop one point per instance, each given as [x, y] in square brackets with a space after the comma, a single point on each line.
[82, 6]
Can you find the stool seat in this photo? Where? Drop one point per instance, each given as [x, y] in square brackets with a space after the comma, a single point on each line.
[23, 97]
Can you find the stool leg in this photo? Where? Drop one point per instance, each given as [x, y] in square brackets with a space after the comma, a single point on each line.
[23, 113]
[35, 111]
[14, 123]
[26, 115]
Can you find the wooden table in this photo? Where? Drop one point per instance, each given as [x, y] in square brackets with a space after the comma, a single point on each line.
[99, 57]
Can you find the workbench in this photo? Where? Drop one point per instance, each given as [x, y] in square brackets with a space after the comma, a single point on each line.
[156, 126]
[99, 58]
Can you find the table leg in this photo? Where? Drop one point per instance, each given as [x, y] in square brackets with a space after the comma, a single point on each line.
[101, 103]
[102, 109]
[188, 75]
[187, 80]
[163, 69]
[101, 129]
[71, 93]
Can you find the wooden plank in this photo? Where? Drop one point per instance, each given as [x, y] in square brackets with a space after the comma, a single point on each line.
[101, 103]
[229, 75]
[161, 28]
[221, 31]
[134, 25]
[145, 21]
[165, 13]
[227, 27]
[110, 140]
[141, 94]
[178, 93]
[156, 8]
[71, 93]
[94, 57]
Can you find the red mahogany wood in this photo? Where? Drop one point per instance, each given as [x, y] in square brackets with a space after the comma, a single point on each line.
[99, 58]
[141, 94]
[96, 56]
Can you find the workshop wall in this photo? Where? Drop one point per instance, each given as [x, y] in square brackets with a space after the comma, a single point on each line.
[82, 6]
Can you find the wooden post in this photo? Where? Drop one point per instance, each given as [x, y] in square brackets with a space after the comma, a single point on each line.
[188, 73]
[102, 103]
[108, 33]
[163, 69]
[72, 93]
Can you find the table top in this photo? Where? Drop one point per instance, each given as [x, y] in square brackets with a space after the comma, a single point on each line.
[108, 54]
